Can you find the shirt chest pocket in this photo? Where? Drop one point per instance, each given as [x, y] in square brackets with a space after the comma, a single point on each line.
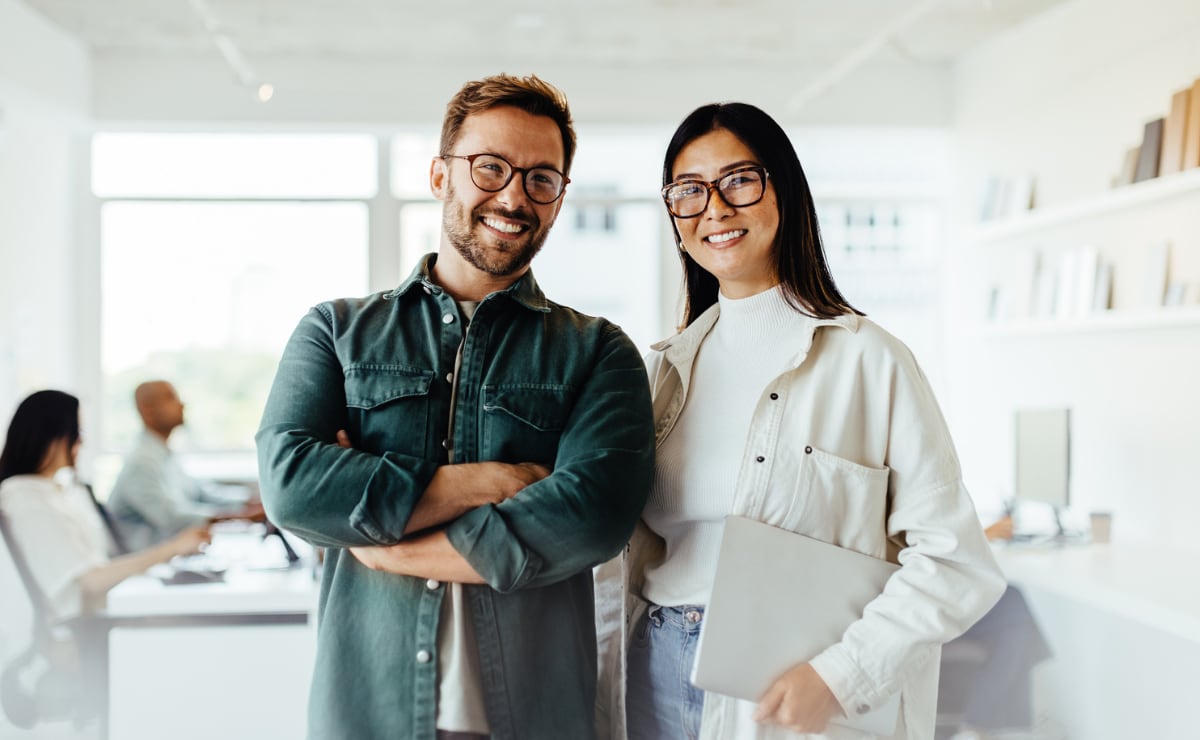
[523, 422]
[840, 501]
[388, 409]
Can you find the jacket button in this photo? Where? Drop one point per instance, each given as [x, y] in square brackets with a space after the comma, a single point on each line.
[807, 450]
[760, 458]
[432, 585]
[427, 289]
[449, 377]
[445, 444]
[447, 318]
[423, 656]
[774, 396]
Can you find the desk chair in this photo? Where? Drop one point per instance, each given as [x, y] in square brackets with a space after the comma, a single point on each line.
[117, 544]
[66, 649]
[82, 695]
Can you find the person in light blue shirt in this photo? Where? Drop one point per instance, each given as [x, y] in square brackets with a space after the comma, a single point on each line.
[153, 497]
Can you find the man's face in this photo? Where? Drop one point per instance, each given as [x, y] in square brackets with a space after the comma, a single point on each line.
[498, 233]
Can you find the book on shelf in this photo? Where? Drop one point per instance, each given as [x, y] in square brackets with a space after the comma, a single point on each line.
[1191, 136]
[1151, 151]
[1102, 299]
[1064, 293]
[1045, 291]
[1024, 279]
[1158, 258]
[1087, 267]
[1174, 129]
[1020, 196]
[1128, 167]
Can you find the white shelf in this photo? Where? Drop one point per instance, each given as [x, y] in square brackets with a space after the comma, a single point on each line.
[1117, 199]
[1110, 321]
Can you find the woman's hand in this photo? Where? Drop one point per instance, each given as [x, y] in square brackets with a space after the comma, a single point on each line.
[799, 700]
[190, 540]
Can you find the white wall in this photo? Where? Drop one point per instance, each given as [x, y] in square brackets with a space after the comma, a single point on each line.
[1062, 98]
[43, 103]
[44, 95]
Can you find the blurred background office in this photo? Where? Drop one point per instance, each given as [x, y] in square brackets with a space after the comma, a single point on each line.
[181, 179]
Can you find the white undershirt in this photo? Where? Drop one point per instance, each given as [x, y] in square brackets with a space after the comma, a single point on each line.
[696, 467]
[460, 706]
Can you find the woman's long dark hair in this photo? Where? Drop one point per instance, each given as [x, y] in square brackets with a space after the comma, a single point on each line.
[799, 257]
[40, 420]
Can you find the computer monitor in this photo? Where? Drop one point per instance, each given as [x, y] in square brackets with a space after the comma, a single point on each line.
[1043, 458]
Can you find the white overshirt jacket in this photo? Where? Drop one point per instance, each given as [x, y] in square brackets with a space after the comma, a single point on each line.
[854, 452]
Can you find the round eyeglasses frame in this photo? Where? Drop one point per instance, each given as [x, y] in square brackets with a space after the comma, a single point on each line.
[711, 185]
[512, 170]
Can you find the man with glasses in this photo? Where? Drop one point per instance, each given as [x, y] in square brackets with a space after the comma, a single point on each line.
[465, 450]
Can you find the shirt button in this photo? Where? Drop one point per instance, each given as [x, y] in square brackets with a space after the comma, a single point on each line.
[862, 709]
[807, 450]
[445, 444]
[449, 377]
[423, 656]
[447, 318]
[432, 585]
[760, 458]
[774, 396]
[427, 289]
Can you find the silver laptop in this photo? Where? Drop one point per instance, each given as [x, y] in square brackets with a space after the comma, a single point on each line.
[778, 599]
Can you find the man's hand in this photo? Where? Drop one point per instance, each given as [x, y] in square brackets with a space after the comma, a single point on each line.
[799, 700]
[425, 556]
[456, 489]
[251, 512]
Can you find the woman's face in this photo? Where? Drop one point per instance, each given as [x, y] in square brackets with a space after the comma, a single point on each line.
[734, 244]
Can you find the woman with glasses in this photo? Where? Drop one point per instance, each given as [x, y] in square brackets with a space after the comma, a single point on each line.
[51, 518]
[777, 400]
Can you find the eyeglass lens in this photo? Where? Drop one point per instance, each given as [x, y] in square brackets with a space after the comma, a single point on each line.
[492, 173]
[688, 198]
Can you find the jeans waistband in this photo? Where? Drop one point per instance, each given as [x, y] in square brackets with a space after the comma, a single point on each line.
[686, 617]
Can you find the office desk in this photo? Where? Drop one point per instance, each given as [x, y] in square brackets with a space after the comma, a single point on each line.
[229, 659]
[1123, 622]
[1155, 587]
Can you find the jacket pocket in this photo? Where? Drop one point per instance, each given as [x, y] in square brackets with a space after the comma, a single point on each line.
[522, 422]
[841, 502]
[388, 408]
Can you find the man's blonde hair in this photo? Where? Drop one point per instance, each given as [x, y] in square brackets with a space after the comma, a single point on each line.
[529, 94]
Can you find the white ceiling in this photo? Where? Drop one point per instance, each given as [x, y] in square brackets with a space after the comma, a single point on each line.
[361, 59]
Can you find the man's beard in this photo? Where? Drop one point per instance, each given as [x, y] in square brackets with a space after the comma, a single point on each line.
[504, 259]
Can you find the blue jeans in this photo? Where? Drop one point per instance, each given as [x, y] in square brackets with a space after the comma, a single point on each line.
[660, 701]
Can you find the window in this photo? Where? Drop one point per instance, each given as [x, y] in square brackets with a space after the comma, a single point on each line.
[212, 248]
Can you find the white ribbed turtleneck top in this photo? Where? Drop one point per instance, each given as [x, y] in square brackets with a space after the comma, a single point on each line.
[697, 464]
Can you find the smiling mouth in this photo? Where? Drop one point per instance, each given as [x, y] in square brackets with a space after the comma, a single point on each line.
[724, 236]
[504, 227]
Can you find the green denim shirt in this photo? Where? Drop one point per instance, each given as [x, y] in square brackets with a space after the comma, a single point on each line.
[538, 382]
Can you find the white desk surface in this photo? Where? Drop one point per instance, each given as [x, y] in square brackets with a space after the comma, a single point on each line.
[242, 591]
[1154, 586]
[253, 583]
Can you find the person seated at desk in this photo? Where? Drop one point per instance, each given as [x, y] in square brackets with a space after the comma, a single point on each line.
[153, 497]
[52, 518]
[986, 672]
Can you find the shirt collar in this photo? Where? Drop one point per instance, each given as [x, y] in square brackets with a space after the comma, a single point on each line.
[524, 291]
[681, 348]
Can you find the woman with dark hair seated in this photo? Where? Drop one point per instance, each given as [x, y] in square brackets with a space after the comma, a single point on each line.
[51, 517]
